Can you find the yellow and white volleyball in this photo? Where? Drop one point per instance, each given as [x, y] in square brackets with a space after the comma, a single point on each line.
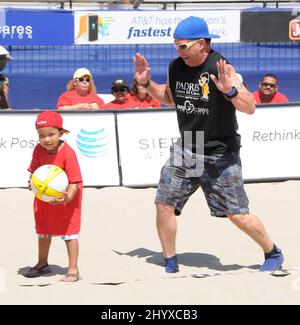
[49, 182]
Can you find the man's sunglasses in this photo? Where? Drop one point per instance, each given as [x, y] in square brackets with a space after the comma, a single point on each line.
[116, 90]
[266, 84]
[184, 46]
[81, 79]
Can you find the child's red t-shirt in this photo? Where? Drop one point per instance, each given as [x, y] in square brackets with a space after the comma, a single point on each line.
[61, 219]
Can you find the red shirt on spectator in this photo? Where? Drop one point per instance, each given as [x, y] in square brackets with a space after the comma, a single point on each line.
[277, 98]
[72, 98]
[115, 104]
[146, 103]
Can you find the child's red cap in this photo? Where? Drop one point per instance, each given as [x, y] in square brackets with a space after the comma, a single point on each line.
[49, 118]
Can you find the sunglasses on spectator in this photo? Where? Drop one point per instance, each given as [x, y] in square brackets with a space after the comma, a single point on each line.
[266, 84]
[81, 79]
[116, 90]
[184, 46]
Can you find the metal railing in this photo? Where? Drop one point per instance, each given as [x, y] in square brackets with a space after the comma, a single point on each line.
[62, 3]
[170, 4]
[175, 4]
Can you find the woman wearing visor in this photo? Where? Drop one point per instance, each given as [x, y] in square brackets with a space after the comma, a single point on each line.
[81, 93]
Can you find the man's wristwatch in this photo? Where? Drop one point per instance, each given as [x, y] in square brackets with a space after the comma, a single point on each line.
[232, 93]
[146, 85]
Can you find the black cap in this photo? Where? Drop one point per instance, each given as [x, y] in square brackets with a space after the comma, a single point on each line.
[119, 84]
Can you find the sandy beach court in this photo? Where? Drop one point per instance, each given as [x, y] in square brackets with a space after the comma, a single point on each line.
[120, 256]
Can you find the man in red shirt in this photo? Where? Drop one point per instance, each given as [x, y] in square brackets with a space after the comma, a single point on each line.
[268, 91]
[120, 90]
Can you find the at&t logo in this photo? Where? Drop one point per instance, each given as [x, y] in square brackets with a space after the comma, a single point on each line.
[93, 141]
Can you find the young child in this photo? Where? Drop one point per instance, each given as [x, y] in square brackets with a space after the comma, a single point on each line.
[60, 217]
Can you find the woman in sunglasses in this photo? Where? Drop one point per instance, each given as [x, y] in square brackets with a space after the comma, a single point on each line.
[81, 93]
[268, 91]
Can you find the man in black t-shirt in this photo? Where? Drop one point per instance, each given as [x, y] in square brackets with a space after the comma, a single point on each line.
[206, 92]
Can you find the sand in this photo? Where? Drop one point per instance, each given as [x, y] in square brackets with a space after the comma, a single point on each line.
[120, 255]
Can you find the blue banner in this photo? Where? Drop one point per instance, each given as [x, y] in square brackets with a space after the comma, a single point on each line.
[36, 27]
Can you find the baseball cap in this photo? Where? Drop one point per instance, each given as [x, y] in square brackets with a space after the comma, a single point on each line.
[49, 118]
[81, 72]
[119, 83]
[3, 51]
[193, 28]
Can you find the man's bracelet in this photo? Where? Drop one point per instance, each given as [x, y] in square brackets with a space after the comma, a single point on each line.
[146, 85]
[232, 93]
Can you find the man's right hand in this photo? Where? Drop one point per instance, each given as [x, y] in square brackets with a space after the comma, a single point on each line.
[142, 72]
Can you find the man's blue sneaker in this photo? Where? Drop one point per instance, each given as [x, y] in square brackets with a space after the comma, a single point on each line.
[273, 260]
[171, 265]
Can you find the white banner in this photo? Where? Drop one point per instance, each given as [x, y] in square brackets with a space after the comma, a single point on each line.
[270, 145]
[17, 141]
[270, 149]
[149, 27]
[144, 141]
[92, 136]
